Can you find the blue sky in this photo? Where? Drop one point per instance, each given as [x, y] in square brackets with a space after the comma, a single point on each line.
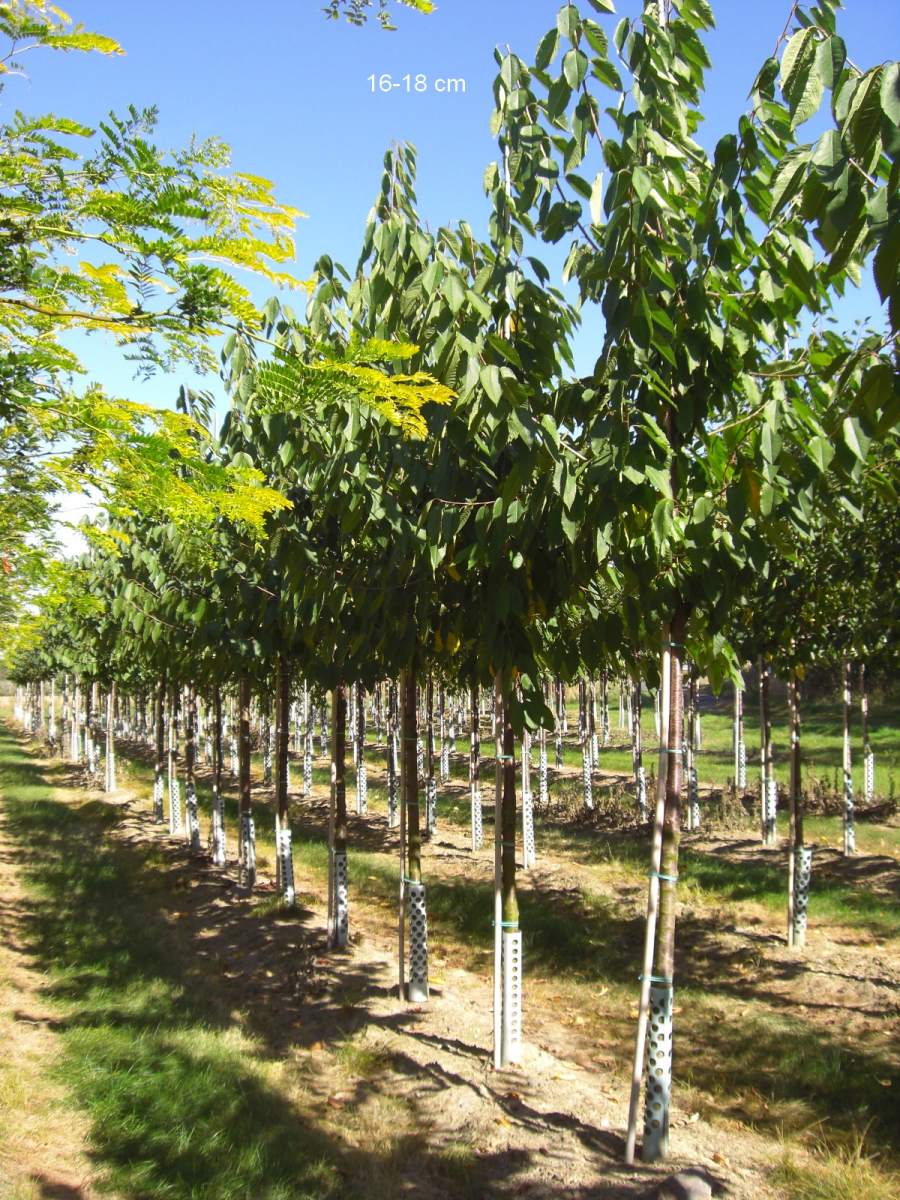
[289, 91]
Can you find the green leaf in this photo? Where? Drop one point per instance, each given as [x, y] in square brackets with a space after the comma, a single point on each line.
[575, 66]
[596, 37]
[455, 292]
[821, 451]
[798, 51]
[491, 382]
[568, 21]
[603, 6]
[662, 521]
[620, 33]
[597, 199]
[641, 183]
[857, 441]
[547, 49]
[830, 57]
[890, 92]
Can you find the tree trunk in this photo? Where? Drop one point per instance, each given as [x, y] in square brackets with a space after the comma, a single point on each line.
[799, 858]
[431, 782]
[849, 821]
[190, 767]
[511, 940]
[412, 887]
[339, 900]
[246, 829]
[659, 1074]
[218, 804]
[868, 754]
[637, 750]
[284, 854]
[767, 789]
[176, 823]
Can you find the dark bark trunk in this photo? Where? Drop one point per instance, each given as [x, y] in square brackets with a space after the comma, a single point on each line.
[244, 751]
[508, 823]
[410, 775]
[665, 942]
[282, 734]
[339, 734]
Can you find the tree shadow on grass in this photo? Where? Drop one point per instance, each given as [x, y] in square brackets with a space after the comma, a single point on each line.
[174, 1079]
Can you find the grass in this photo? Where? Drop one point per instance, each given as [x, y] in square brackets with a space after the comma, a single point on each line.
[742, 1058]
[184, 1098]
[834, 1174]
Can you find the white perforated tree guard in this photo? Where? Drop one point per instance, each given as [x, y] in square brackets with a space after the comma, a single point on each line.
[362, 788]
[268, 730]
[285, 863]
[869, 775]
[218, 828]
[341, 900]
[159, 788]
[559, 748]
[659, 1073]
[247, 850]
[849, 815]
[477, 827]
[802, 880]
[418, 943]
[742, 766]
[693, 798]
[543, 786]
[323, 731]
[529, 851]
[233, 752]
[176, 816]
[431, 803]
[770, 832]
[420, 757]
[393, 781]
[109, 774]
[445, 759]
[642, 793]
[511, 1025]
[586, 783]
[193, 817]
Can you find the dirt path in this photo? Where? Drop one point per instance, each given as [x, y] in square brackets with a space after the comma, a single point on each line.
[44, 1144]
[555, 1124]
[376, 1073]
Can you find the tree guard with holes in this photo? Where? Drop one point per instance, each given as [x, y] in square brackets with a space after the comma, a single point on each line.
[418, 943]
[659, 1073]
[511, 1026]
[193, 817]
[247, 851]
[529, 851]
[218, 828]
[543, 785]
[362, 787]
[802, 882]
[393, 776]
[268, 731]
[431, 803]
[771, 811]
[694, 797]
[176, 817]
[586, 782]
[285, 863]
[341, 900]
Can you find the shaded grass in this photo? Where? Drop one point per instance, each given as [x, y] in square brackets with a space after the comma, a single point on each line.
[179, 1100]
[766, 1068]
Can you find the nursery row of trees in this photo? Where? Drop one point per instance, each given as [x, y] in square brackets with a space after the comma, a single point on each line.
[441, 496]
